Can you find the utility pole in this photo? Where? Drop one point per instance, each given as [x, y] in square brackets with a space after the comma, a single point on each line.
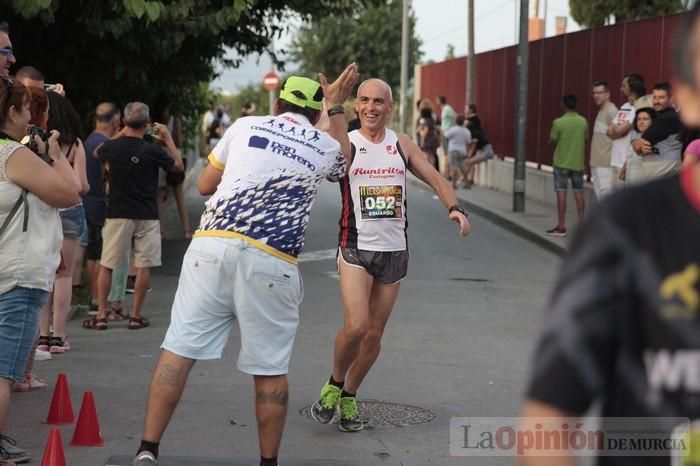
[471, 63]
[404, 67]
[521, 111]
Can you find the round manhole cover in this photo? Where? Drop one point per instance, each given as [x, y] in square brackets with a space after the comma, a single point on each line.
[383, 413]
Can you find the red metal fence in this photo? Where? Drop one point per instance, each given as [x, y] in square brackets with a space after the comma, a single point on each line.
[566, 64]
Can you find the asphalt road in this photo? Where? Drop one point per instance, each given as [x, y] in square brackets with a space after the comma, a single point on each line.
[458, 344]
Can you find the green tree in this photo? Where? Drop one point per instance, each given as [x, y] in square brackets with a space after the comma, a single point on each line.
[124, 50]
[593, 13]
[251, 92]
[371, 37]
[450, 53]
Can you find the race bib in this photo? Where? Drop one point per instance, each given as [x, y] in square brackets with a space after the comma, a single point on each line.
[381, 202]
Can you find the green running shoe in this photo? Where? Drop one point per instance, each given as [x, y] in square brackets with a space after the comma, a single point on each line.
[325, 408]
[349, 417]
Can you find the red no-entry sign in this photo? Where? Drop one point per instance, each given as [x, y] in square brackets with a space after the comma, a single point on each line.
[271, 81]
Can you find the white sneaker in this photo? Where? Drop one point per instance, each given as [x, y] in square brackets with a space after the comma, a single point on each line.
[145, 458]
[40, 355]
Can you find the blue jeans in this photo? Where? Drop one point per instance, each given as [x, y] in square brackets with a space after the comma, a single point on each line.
[20, 309]
[561, 180]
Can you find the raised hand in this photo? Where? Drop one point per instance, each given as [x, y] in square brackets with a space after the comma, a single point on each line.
[338, 92]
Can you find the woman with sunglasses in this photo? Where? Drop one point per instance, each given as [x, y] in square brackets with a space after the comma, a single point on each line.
[31, 190]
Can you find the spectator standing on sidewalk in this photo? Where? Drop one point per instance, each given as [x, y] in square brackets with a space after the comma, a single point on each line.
[620, 131]
[65, 120]
[31, 191]
[107, 122]
[569, 132]
[632, 171]
[458, 141]
[448, 118]
[660, 146]
[601, 143]
[7, 56]
[264, 175]
[132, 211]
[643, 101]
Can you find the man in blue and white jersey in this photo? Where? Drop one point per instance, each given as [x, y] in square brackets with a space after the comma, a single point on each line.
[242, 262]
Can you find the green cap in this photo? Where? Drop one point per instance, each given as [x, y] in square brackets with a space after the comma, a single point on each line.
[303, 92]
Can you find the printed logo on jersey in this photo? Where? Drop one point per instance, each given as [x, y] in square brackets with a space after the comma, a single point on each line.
[391, 150]
[291, 153]
[381, 202]
[363, 150]
[274, 212]
[679, 294]
[379, 173]
[258, 142]
[673, 370]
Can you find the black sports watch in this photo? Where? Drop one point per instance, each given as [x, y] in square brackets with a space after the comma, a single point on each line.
[457, 208]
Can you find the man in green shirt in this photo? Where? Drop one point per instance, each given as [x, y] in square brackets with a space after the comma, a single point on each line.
[569, 131]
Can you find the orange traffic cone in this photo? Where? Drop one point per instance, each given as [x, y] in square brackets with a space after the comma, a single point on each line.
[61, 411]
[87, 430]
[53, 454]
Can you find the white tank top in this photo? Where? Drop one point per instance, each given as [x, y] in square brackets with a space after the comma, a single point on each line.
[373, 215]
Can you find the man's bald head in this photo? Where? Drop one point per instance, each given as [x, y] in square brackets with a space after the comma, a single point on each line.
[107, 117]
[377, 82]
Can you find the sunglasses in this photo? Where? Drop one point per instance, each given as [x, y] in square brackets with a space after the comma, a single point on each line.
[9, 84]
[7, 52]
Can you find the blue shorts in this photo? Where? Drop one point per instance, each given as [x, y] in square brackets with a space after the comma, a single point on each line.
[561, 179]
[20, 309]
[73, 222]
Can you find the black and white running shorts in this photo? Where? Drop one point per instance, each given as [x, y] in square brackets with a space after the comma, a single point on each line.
[389, 267]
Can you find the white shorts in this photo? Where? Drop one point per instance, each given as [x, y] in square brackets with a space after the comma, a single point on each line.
[227, 278]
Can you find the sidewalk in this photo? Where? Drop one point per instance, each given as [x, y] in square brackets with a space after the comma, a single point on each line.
[497, 207]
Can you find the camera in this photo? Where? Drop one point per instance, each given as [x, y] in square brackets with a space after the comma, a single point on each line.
[30, 142]
[50, 87]
[152, 134]
[152, 130]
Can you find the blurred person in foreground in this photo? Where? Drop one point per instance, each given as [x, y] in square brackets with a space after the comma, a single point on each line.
[624, 328]
[31, 191]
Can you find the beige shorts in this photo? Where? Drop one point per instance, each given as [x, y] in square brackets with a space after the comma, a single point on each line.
[227, 279]
[120, 234]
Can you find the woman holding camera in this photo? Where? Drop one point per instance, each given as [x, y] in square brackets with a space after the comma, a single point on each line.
[63, 118]
[31, 190]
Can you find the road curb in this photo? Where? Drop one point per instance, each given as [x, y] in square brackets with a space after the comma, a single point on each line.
[503, 222]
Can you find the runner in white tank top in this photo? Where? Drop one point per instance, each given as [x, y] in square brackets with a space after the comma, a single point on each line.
[374, 196]
[373, 252]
